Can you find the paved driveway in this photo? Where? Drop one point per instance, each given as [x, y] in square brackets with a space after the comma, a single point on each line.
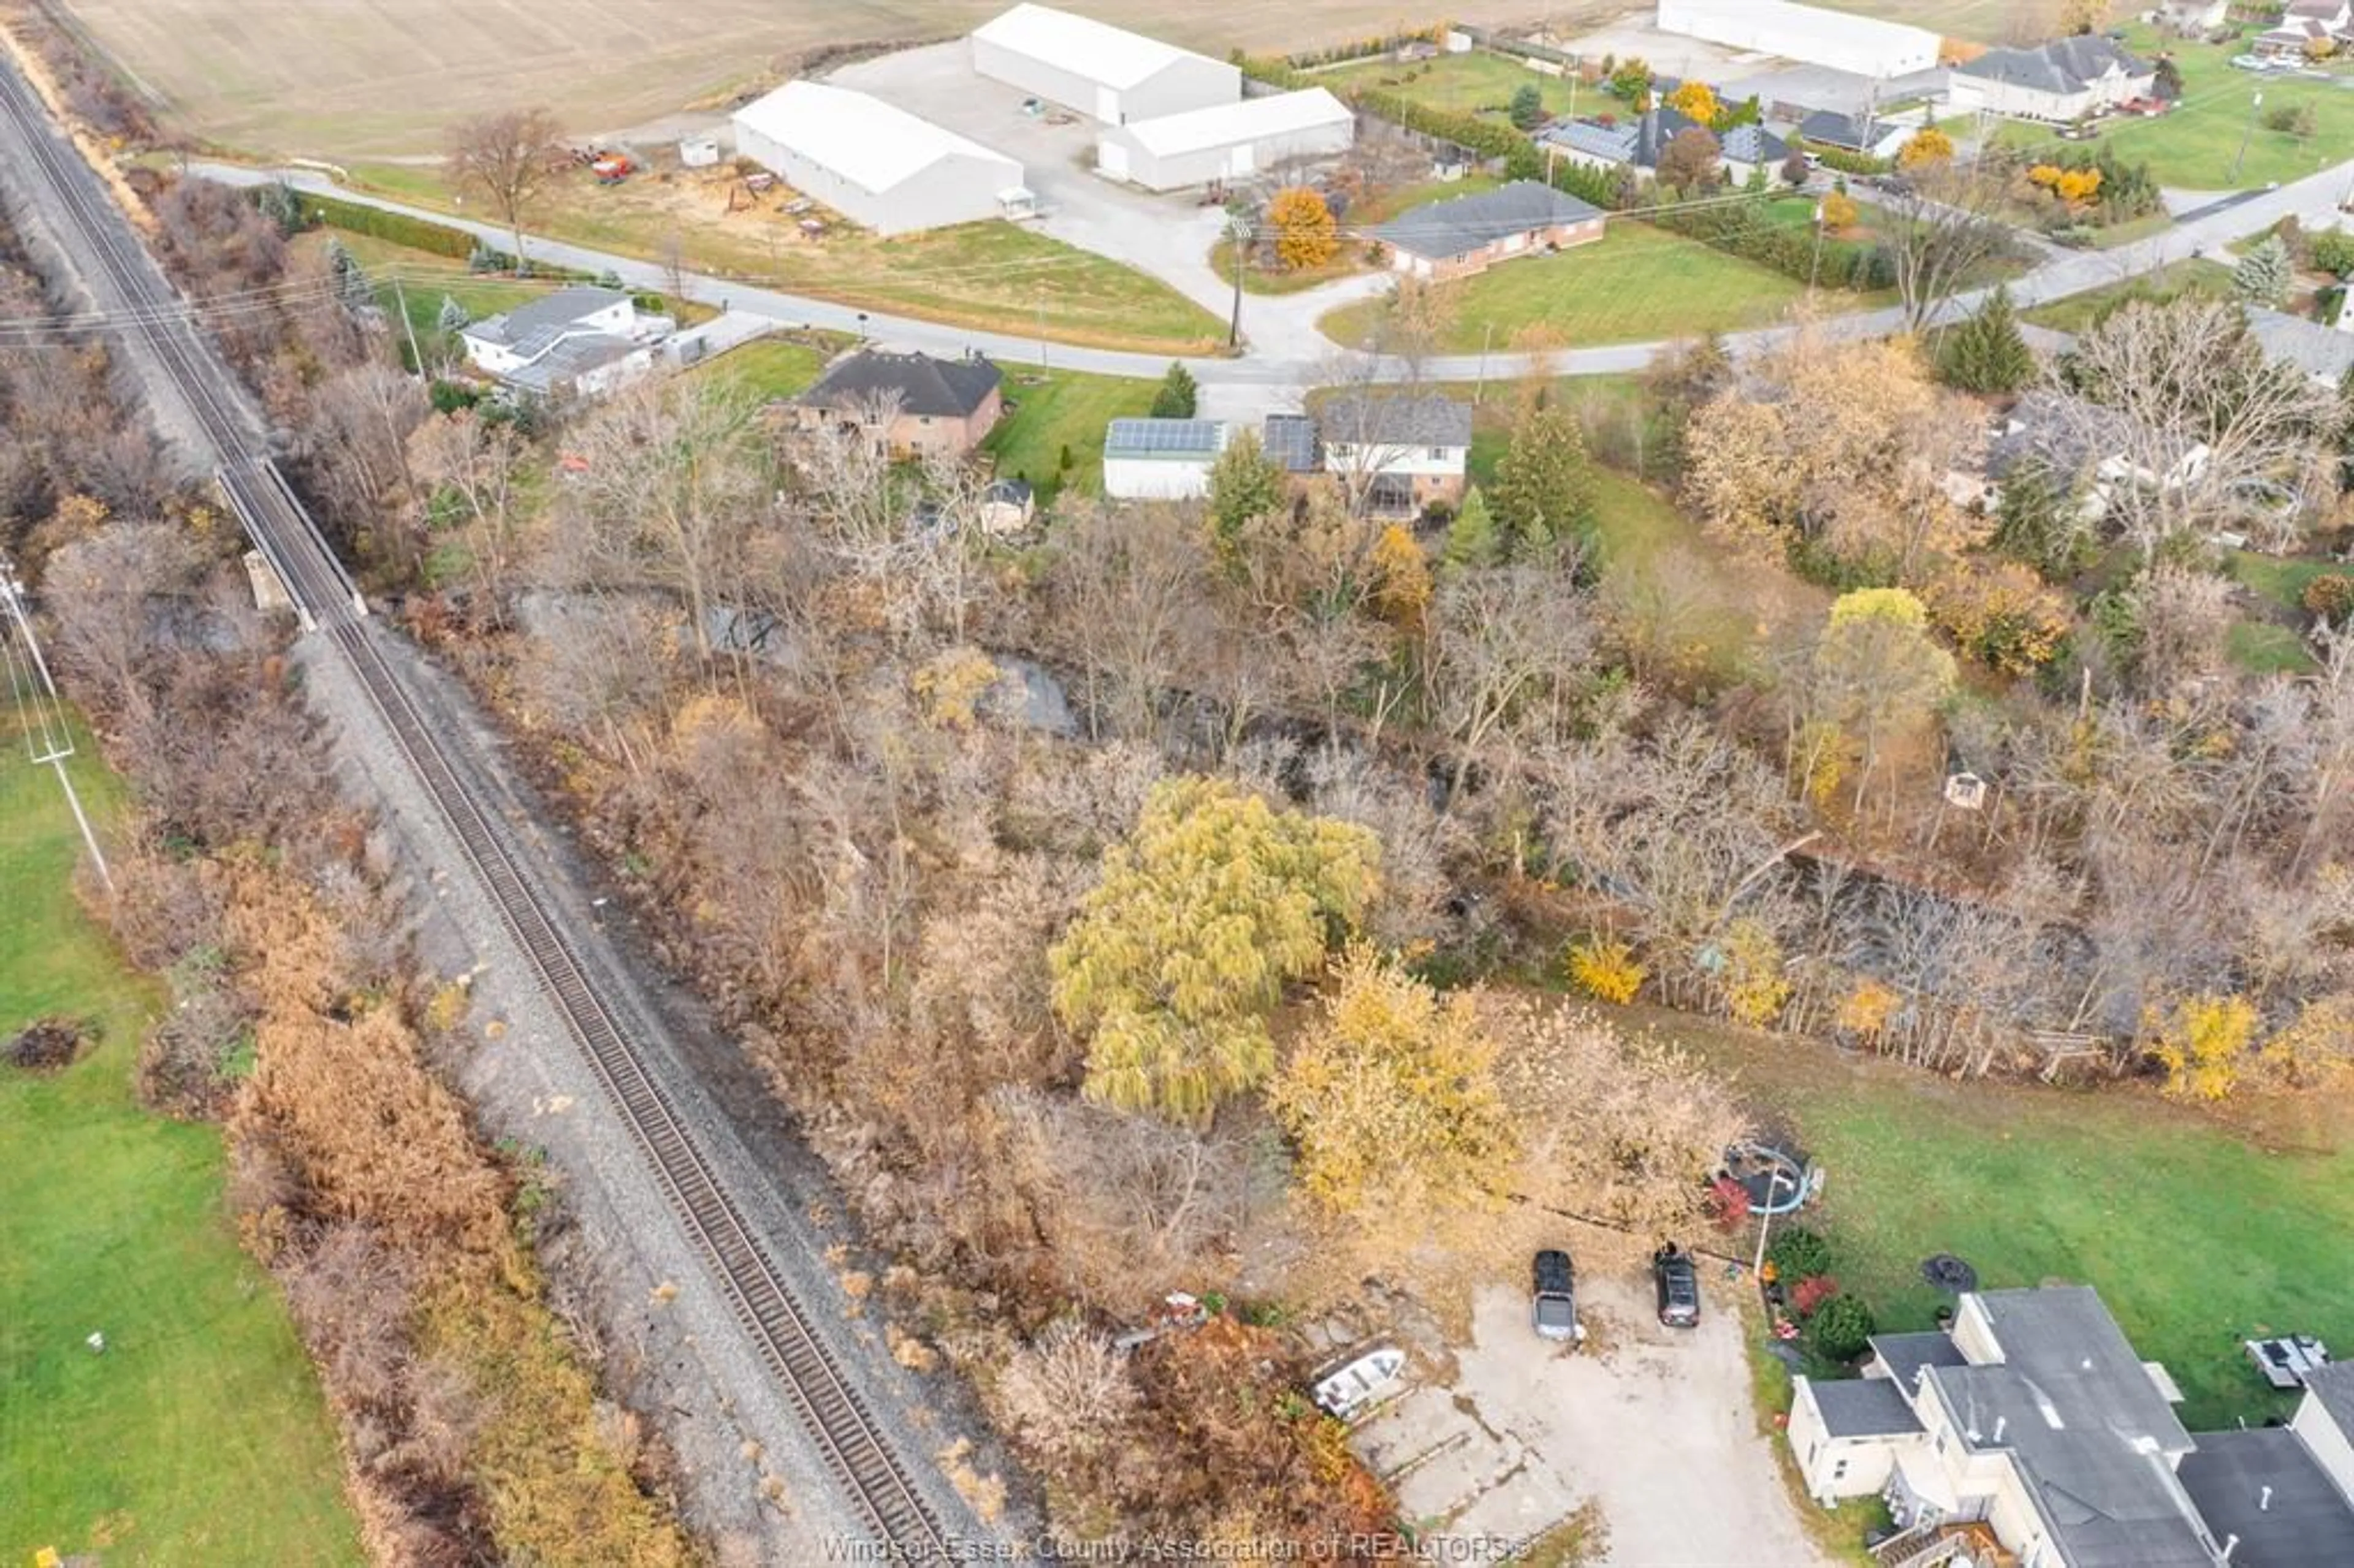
[1656, 1427]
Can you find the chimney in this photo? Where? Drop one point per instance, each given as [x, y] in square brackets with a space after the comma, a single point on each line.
[2228, 1542]
[2265, 1500]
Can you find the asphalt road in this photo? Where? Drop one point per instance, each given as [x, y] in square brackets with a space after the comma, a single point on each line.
[2313, 200]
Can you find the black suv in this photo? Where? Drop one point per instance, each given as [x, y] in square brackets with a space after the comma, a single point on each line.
[1677, 1278]
[1555, 1314]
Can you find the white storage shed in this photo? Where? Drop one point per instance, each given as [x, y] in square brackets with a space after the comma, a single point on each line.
[1102, 71]
[874, 164]
[1840, 39]
[1161, 460]
[1230, 142]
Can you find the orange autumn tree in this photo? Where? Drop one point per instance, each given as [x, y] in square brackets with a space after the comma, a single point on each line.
[1305, 234]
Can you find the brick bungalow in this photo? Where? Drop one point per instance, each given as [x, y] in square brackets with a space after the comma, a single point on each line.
[1465, 237]
[935, 406]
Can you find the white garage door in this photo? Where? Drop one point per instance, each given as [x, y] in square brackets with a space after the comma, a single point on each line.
[1111, 160]
[1241, 163]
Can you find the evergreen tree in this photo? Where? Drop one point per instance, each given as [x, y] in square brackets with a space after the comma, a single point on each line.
[1543, 496]
[2166, 80]
[1245, 483]
[1528, 107]
[1177, 393]
[1472, 538]
[454, 317]
[351, 285]
[1986, 353]
[2263, 275]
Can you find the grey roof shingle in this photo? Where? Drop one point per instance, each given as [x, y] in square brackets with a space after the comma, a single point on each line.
[2332, 1388]
[2063, 66]
[2318, 351]
[1863, 1407]
[1290, 440]
[2091, 1433]
[1459, 227]
[1641, 140]
[1832, 129]
[572, 357]
[2264, 1485]
[1392, 418]
[927, 388]
[529, 329]
[1905, 1354]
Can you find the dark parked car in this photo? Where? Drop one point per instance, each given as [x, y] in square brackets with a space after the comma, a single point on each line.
[1677, 1278]
[1556, 1313]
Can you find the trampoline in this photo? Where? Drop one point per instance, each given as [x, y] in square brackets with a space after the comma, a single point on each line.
[1778, 1181]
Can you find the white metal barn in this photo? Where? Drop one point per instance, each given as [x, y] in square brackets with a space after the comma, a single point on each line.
[874, 164]
[1161, 460]
[1864, 45]
[1230, 142]
[1104, 72]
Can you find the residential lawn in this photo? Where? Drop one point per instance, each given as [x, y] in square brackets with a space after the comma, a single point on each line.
[425, 280]
[771, 367]
[1402, 199]
[2201, 279]
[2282, 578]
[1636, 283]
[1347, 262]
[994, 275]
[2196, 1236]
[2195, 145]
[2116, 234]
[2262, 648]
[1062, 410]
[1475, 84]
[200, 1435]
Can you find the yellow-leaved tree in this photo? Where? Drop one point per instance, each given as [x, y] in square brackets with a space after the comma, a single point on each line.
[1305, 234]
[2201, 1041]
[1181, 951]
[1696, 101]
[1391, 1096]
[1401, 575]
[1927, 147]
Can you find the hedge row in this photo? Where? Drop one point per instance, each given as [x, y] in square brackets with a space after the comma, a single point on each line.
[397, 228]
[1845, 161]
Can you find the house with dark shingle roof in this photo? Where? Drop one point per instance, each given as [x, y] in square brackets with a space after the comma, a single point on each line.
[1396, 453]
[2034, 1422]
[1465, 236]
[911, 403]
[1636, 144]
[2066, 79]
[1853, 133]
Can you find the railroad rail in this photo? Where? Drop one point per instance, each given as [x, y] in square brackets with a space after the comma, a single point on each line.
[326, 601]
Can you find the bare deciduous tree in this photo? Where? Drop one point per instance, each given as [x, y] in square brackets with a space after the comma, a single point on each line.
[509, 157]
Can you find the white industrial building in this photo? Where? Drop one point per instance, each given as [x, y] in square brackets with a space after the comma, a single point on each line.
[1104, 72]
[1838, 39]
[874, 164]
[1230, 142]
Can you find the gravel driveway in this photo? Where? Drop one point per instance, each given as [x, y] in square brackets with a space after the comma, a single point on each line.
[1655, 1426]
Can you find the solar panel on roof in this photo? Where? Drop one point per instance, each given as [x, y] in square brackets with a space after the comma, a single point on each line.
[1165, 435]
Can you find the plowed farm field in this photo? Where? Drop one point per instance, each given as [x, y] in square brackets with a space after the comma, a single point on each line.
[345, 79]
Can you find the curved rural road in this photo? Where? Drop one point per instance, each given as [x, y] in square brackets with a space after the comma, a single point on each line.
[2313, 201]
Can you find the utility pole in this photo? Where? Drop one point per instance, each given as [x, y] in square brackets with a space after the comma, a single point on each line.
[1480, 392]
[1042, 326]
[1238, 239]
[1815, 268]
[2247, 133]
[400, 300]
[48, 739]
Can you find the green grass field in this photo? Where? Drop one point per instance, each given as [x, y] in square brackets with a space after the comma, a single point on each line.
[2201, 280]
[199, 1435]
[771, 367]
[1636, 283]
[1059, 410]
[997, 276]
[2195, 1238]
[1474, 83]
[2197, 146]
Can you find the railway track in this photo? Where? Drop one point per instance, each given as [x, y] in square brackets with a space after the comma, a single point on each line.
[839, 1421]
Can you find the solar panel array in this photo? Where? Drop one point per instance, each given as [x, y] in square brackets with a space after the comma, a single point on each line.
[1162, 437]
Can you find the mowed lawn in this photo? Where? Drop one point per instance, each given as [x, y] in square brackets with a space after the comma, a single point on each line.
[770, 367]
[994, 275]
[199, 1435]
[2195, 1238]
[1055, 411]
[2195, 146]
[2198, 278]
[1474, 83]
[1633, 284]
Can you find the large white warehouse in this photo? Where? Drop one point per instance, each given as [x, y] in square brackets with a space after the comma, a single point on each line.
[874, 164]
[1230, 142]
[1102, 71]
[1839, 40]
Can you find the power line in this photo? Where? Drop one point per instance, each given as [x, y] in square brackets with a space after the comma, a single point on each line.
[48, 738]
